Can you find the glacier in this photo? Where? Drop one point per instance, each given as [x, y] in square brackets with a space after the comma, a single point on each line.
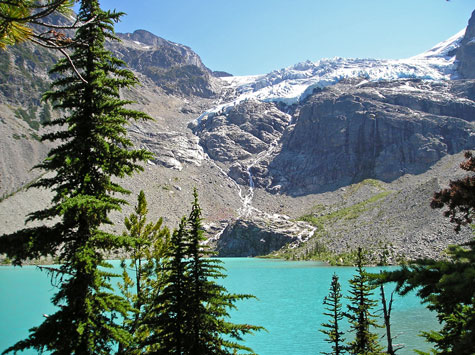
[293, 84]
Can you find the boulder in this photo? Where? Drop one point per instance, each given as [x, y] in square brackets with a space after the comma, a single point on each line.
[251, 238]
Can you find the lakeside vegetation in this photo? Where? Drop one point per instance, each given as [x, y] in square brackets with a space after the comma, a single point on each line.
[330, 219]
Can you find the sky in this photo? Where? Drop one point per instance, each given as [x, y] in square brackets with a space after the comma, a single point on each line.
[247, 37]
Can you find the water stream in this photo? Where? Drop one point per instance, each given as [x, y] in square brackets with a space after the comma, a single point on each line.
[303, 230]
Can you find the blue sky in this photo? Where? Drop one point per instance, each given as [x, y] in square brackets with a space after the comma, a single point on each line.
[245, 37]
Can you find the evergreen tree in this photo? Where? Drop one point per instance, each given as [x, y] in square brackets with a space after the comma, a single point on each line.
[209, 331]
[92, 149]
[360, 313]
[334, 311]
[149, 243]
[190, 311]
[166, 314]
[448, 286]
[459, 197]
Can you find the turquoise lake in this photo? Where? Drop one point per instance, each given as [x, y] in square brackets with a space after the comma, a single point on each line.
[290, 305]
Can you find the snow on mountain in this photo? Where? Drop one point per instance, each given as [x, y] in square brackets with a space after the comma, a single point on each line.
[444, 49]
[294, 83]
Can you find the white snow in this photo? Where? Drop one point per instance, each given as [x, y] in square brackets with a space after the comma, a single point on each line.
[292, 84]
[233, 81]
[143, 45]
[443, 48]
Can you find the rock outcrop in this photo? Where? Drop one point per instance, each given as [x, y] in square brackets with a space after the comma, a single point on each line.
[261, 234]
[350, 132]
[466, 51]
[251, 238]
[242, 131]
[170, 149]
[173, 67]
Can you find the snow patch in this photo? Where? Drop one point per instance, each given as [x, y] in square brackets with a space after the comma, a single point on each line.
[293, 84]
[143, 45]
[444, 48]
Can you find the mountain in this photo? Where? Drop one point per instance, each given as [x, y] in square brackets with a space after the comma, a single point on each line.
[466, 51]
[168, 72]
[171, 66]
[312, 160]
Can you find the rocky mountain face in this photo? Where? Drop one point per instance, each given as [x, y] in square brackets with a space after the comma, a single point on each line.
[353, 131]
[466, 51]
[169, 74]
[343, 134]
[171, 66]
[249, 128]
[23, 79]
[308, 161]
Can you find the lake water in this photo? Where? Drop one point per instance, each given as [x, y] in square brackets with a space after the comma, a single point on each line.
[290, 305]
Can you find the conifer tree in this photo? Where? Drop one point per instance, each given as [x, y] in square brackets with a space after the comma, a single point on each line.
[334, 312]
[209, 331]
[166, 314]
[190, 311]
[360, 313]
[149, 243]
[92, 150]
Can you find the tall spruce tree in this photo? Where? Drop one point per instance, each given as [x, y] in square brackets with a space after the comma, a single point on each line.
[360, 315]
[334, 312]
[167, 313]
[210, 331]
[92, 150]
[190, 311]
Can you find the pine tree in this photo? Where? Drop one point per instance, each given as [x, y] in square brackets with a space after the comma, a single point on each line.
[150, 241]
[360, 313]
[209, 330]
[334, 311]
[92, 150]
[189, 314]
[167, 312]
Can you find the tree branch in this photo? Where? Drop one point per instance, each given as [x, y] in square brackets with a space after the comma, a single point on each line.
[53, 45]
[47, 11]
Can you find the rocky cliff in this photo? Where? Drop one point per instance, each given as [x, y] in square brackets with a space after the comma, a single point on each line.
[466, 51]
[307, 161]
[173, 67]
[353, 131]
